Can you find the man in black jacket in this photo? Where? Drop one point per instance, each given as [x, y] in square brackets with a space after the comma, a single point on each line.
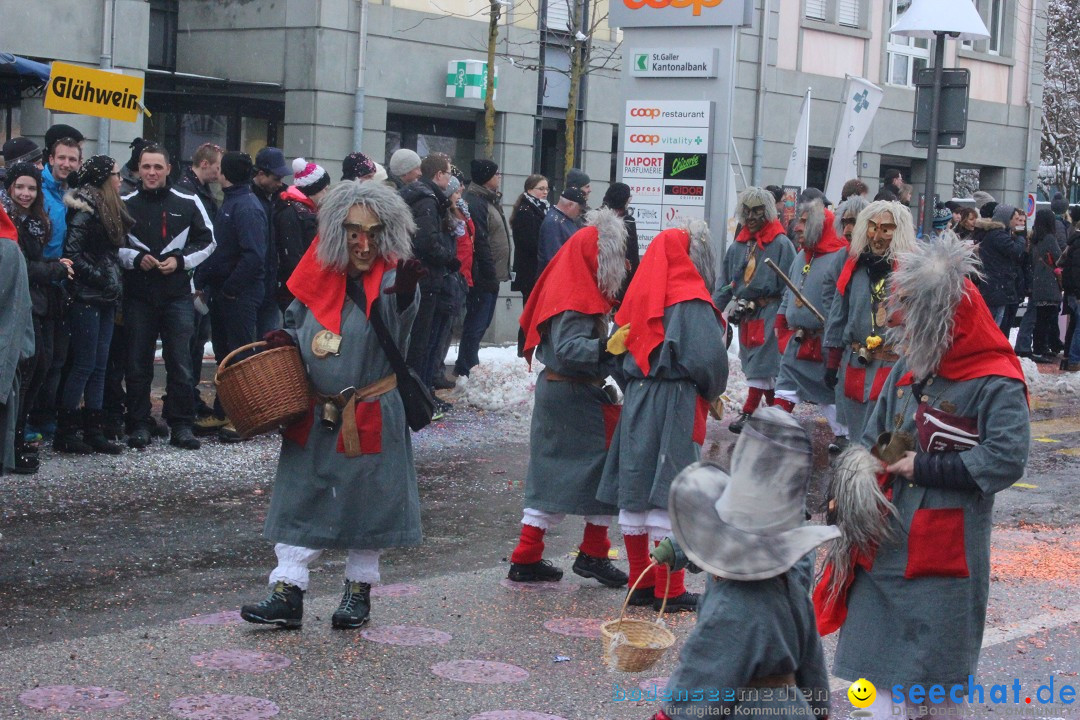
[267, 184]
[491, 242]
[431, 246]
[172, 235]
[234, 278]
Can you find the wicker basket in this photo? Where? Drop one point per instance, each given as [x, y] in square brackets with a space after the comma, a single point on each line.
[636, 645]
[265, 391]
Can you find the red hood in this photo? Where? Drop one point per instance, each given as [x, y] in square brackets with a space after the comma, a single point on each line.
[765, 236]
[294, 193]
[665, 277]
[567, 283]
[7, 228]
[323, 290]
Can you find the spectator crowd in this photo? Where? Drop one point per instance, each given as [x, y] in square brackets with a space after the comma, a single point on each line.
[132, 264]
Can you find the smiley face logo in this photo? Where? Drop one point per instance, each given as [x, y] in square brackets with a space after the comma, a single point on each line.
[862, 693]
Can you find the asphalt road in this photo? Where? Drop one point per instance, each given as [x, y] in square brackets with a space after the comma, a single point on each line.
[95, 547]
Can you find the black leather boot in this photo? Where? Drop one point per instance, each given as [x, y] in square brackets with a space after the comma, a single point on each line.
[68, 427]
[94, 434]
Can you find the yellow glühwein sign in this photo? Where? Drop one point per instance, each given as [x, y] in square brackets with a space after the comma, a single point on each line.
[88, 91]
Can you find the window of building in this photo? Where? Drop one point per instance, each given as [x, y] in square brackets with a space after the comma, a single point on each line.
[840, 12]
[993, 14]
[557, 15]
[906, 55]
[164, 21]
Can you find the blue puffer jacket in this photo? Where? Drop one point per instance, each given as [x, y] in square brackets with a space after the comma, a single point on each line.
[54, 206]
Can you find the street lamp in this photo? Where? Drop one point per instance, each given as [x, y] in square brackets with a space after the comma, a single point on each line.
[934, 19]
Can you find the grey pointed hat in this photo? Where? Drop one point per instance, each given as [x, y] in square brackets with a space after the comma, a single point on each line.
[750, 525]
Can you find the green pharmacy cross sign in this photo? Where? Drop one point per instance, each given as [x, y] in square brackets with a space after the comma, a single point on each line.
[468, 79]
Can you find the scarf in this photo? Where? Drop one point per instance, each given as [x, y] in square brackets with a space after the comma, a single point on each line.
[322, 290]
[665, 277]
[765, 235]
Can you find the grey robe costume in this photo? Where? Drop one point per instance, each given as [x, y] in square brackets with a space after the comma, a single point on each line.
[16, 341]
[568, 438]
[850, 322]
[929, 629]
[321, 498]
[758, 351]
[751, 630]
[802, 365]
[654, 439]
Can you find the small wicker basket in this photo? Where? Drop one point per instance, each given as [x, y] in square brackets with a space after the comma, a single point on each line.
[636, 645]
[264, 392]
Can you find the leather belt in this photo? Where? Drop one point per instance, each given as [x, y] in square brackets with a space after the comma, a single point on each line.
[772, 681]
[557, 377]
[884, 353]
[767, 300]
[807, 332]
[346, 400]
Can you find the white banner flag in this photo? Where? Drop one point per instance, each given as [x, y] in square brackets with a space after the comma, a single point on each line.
[800, 149]
[861, 101]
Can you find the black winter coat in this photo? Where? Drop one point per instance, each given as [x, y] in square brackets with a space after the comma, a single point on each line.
[1069, 262]
[525, 226]
[432, 244]
[169, 223]
[485, 277]
[94, 256]
[1002, 254]
[189, 183]
[43, 273]
[295, 226]
[238, 266]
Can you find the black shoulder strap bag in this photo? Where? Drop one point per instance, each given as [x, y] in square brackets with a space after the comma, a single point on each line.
[415, 395]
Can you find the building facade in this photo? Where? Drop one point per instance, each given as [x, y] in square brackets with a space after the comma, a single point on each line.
[248, 73]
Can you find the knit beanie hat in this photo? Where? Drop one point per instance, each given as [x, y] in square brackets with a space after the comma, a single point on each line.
[452, 187]
[577, 178]
[59, 132]
[18, 170]
[308, 177]
[482, 170]
[357, 165]
[617, 195]
[403, 161]
[237, 167]
[94, 171]
[20, 149]
[981, 197]
[942, 216]
[987, 211]
[136, 146]
[1058, 204]
[1003, 214]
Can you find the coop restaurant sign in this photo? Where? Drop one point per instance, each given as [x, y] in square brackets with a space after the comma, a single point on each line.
[680, 13]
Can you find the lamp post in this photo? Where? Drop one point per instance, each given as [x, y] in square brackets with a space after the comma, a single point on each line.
[934, 19]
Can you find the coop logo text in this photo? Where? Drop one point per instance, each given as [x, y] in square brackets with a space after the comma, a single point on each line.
[697, 5]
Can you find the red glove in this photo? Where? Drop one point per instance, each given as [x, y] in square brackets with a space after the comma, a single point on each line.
[409, 273]
[832, 360]
[277, 339]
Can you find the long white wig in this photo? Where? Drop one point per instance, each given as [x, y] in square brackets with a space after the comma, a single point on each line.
[815, 221]
[701, 251]
[611, 250]
[853, 205]
[395, 240]
[927, 286]
[757, 196]
[903, 239]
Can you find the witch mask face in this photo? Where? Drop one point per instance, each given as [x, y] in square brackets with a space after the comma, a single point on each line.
[879, 232]
[755, 216]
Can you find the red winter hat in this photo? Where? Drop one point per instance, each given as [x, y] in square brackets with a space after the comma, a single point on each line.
[308, 177]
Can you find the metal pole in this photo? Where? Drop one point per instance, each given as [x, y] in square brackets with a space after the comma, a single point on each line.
[358, 100]
[931, 152]
[758, 159]
[107, 26]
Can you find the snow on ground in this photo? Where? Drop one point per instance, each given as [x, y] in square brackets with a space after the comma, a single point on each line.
[1049, 384]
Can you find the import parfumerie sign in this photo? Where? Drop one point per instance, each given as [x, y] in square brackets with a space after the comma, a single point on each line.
[679, 13]
[89, 91]
[684, 62]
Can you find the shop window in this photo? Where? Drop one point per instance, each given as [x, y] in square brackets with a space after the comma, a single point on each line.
[907, 56]
[847, 13]
[164, 22]
[425, 135]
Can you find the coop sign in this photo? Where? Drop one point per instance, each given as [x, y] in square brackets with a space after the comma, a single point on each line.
[680, 13]
[88, 91]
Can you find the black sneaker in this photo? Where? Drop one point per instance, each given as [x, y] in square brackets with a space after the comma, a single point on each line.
[182, 437]
[354, 608]
[284, 607]
[542, 571]
[139, 438]
[737, 425]
[26, 462]
[600, 569]
[641, 597]
[687, 602]
[839, 444]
